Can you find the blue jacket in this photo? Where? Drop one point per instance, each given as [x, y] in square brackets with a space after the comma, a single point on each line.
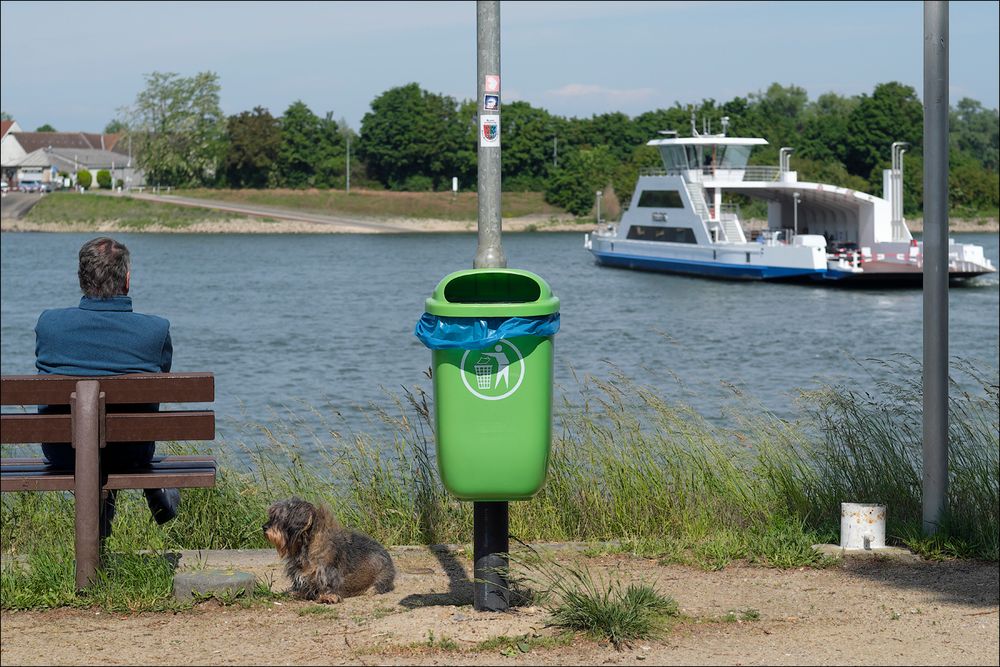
[102, 337]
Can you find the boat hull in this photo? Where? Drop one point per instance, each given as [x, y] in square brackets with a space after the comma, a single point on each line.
[883, 279]
[871, 278]
[706, 269]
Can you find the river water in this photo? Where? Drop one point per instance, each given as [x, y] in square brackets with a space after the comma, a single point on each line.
[314, 329]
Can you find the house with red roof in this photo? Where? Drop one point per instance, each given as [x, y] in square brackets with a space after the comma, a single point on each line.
[43, 156]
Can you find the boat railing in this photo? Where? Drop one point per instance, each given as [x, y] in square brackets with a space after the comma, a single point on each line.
[729, 211]
[757, 172]
[749, 173]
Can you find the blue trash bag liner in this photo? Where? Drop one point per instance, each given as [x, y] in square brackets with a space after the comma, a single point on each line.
[473, 333]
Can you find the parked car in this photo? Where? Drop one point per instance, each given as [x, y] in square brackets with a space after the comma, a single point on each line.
[49, 186]
[29, 186]
[4, 187]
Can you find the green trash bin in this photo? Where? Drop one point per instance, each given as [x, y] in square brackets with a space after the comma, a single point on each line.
[493, 404]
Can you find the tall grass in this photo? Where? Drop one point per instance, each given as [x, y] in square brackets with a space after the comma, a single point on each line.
[868, 448]
[627, 466]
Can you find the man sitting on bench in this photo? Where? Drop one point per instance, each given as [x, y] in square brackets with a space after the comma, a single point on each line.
[102, 336]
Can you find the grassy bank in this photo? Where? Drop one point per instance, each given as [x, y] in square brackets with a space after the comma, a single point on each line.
[385, 204]
[71, 208]
[628, 467]
[90, 211]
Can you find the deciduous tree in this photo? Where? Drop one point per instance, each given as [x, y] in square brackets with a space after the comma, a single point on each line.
[526, 158]
[976, 132]
[892, 113]
[115, 126]
[410, 133]
[254, 141]
[312, 152]
[179, 128]
[574, 184]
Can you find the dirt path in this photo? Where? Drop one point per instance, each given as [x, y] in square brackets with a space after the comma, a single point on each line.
[256, 219]
[861, 612]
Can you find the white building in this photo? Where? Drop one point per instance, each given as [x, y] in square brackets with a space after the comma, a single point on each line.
[42, 156]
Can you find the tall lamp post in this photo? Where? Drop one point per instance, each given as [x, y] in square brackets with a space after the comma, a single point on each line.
[935, 361]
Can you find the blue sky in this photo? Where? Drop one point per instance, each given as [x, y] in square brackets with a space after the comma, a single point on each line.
[74, 64]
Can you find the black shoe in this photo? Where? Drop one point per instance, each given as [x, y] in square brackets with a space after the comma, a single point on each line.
[163, 503]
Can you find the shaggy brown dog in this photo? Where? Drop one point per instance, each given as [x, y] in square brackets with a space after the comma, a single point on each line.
[325, 561]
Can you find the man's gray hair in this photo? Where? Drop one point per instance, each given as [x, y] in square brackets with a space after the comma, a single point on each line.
[104, 267]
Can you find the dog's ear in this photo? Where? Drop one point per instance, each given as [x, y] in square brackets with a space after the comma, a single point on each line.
[302, 532]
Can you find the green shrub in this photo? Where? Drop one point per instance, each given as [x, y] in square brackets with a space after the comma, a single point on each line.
[104, 179]
[84, 178]
[418, 183]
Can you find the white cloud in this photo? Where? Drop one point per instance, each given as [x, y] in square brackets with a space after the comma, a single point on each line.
[589, 90]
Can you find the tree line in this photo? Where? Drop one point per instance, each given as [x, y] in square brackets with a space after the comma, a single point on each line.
[413, 139]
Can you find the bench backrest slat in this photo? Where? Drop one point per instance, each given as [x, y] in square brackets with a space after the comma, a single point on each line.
[137, 388]
[121, 427]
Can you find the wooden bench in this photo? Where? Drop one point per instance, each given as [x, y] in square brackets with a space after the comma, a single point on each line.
[89, 427]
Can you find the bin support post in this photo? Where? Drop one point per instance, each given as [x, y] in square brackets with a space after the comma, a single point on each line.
[489, 551]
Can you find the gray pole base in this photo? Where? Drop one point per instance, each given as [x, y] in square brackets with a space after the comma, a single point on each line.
[490, 546]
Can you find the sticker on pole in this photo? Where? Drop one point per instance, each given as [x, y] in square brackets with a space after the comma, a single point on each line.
[491, 83]
[493, 373]
[489, 130]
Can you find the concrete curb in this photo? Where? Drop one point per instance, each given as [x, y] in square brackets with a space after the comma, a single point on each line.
[896, 554]
[221, 584]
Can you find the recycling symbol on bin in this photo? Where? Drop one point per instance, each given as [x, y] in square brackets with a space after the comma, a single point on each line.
[493, 373]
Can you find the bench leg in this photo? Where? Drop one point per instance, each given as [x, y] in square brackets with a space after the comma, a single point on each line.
[86, 441]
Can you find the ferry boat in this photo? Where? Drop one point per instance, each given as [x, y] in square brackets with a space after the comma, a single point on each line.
[677, 222]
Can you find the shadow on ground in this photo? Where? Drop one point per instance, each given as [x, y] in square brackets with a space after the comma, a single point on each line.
[459, 584]
[956, 582]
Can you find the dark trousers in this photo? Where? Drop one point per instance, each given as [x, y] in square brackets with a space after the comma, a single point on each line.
[115, 457]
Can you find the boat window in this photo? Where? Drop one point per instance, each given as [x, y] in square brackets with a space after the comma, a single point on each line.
[664, 234]
[693, 157]
[734, 157]
[660, 199]
[673, 157]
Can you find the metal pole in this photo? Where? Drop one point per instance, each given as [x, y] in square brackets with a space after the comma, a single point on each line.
[491, 591]
[489, 254]
[795, 228]
[899, 204]
[935, 424]
[348, 163]
[489, 552]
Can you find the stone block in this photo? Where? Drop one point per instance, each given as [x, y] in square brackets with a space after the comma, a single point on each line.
[223, 584]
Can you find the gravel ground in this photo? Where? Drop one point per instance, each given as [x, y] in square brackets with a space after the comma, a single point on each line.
[863, 611]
